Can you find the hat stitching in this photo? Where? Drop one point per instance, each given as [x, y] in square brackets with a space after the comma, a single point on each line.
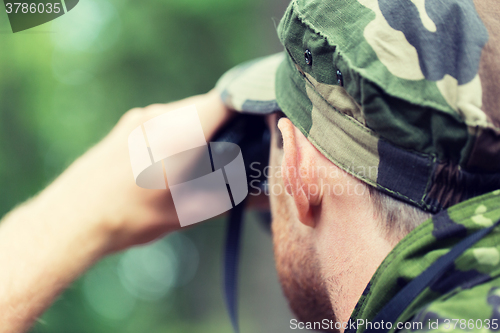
[445, 108]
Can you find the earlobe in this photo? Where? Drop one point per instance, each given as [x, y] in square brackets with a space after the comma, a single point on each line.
[298, 178]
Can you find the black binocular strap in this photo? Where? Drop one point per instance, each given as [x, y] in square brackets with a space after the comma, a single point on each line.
[231, 259]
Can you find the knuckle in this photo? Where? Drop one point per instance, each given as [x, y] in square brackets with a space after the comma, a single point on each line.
[134, 115]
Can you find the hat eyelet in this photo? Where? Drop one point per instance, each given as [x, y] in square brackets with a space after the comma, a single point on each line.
[340, 78]
[308, 57]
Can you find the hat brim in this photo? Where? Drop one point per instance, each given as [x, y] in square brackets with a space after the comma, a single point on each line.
[250, 87]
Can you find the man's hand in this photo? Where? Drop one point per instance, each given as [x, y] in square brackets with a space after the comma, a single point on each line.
[100, 188]
[94, 208]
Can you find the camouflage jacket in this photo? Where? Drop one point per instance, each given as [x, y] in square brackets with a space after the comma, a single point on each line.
[466, 298]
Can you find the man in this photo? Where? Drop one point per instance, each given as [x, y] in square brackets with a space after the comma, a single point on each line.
[389, 155]
[390, 92]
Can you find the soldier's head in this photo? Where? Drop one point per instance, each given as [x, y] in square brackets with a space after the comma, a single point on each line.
[383, 113]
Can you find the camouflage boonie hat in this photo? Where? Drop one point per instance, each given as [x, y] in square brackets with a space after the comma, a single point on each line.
[388, 90]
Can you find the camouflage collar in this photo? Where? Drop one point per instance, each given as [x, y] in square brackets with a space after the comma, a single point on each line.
[424, 245]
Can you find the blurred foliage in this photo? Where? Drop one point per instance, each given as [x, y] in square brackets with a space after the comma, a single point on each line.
[63, 85]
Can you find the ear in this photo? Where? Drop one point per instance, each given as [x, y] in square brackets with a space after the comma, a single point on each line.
[298, 169]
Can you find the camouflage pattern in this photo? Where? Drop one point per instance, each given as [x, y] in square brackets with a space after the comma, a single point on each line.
[470, 290]
[249, 87]
[395, 86]
[392, 86]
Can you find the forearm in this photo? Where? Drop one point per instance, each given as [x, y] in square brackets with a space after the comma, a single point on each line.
[92, 209]
[42, 250]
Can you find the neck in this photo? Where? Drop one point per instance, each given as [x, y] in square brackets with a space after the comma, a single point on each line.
[350, 247]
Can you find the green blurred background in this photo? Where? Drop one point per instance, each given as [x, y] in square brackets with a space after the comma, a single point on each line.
[63, 85]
